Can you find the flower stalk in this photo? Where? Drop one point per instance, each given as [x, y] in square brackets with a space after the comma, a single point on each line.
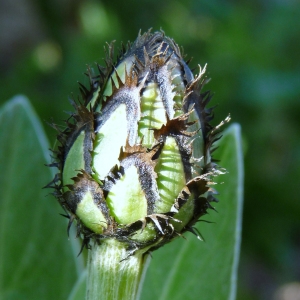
[112, 274]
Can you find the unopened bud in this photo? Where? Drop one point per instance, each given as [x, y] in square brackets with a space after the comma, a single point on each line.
[135, 159]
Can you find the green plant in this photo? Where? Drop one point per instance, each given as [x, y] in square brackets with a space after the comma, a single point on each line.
[221, 260]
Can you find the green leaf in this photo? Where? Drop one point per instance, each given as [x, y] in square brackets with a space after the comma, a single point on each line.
[79, 289]
[36, 259]
[190, 269]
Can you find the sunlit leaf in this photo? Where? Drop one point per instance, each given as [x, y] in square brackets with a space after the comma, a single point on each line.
[36, 259]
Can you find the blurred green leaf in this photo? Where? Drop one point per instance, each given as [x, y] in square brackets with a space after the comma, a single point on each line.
[36, 260]
[79, 289]
[189, 269]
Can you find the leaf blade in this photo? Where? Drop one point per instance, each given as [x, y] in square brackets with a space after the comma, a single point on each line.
[35, 260]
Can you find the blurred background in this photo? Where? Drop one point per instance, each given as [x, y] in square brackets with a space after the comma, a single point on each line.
[252, 49]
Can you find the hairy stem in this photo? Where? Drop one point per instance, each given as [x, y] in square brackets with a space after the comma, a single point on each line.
[111, 276]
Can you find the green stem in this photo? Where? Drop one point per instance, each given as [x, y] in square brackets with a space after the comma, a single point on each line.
[112, 278]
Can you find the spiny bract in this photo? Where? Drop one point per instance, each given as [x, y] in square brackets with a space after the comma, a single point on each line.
[135, 158]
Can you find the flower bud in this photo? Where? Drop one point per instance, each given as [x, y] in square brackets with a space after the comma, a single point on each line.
[135, 159]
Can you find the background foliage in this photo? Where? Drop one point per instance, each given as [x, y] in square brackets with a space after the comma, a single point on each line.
[252, 51]
[36, 261]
